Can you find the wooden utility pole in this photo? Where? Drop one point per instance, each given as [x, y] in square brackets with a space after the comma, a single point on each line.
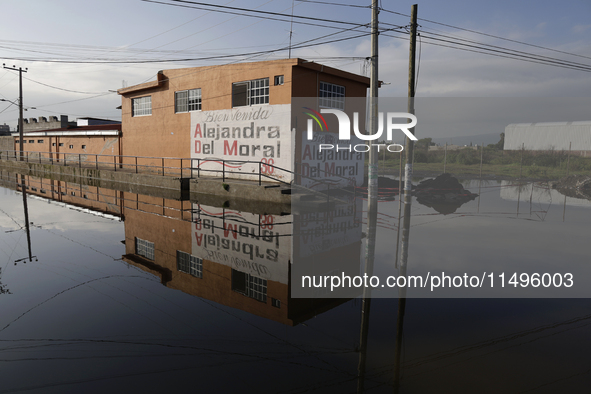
[372, 172]
[20, 105]
[411, 97]
[407, 201]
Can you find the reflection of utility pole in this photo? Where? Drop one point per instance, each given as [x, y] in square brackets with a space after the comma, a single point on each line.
[26, 208]
[370, 247]
[372, 197]
[407, 202]
[20, 105]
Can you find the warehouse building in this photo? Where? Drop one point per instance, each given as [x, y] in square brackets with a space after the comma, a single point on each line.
[556, 136]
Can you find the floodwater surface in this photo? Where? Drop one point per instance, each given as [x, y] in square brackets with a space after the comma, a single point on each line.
[110, 299]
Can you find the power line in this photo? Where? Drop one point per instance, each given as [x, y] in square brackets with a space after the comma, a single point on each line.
[186, 59]
[58, 88]
[487, 51]
[240, 11]
[491, 35]
[336, 4]
[551, 59]
[520, 56]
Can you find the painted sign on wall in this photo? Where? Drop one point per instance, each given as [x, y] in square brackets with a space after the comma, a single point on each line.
[259, 245]
[224, 140]
[337, 168]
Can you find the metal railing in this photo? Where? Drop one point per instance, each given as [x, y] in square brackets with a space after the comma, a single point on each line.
[169, 166]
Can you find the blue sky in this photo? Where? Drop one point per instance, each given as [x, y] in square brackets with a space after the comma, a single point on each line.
[133, 29]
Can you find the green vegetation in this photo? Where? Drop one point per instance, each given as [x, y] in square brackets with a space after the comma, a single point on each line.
[495, 161]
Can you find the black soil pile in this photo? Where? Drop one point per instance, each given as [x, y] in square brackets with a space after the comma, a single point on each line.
[445, 194]
[577, 186]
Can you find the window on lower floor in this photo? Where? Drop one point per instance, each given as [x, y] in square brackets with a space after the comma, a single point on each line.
[71, 146]
[39, 141]
[187, 100]
[31, 141]
[249, 285]
[141, 106]
[189, 264]
[251, 92]
[144, 248]
[331, 96]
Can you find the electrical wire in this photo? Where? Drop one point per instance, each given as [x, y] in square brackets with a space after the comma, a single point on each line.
[491, 35]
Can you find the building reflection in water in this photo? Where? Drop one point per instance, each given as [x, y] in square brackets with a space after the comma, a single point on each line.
[235, 258]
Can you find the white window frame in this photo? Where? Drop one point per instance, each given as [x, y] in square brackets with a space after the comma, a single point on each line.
[189, 264]
[141, 106]
[331, 95]
[257, 92]
[187, 100]
[144, 248]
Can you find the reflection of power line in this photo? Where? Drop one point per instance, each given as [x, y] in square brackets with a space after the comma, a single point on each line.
[61, 292]
[558, 380]
[438, 356]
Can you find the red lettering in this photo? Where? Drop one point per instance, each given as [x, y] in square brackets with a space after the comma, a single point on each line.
[197, 146]
[198, 131]
[329, 169]
[199, 238]
[233, 150]
[228, 228]
[307, 153]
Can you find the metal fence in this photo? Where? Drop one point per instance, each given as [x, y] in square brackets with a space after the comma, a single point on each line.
[164, 166]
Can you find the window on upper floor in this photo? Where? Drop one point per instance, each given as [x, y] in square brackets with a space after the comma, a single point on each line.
[187, 100]
[141, 106]
[252, 92]
[331, 96]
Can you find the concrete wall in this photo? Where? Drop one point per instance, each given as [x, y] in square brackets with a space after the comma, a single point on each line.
[46, 123]
[6, 143]
[72, 146]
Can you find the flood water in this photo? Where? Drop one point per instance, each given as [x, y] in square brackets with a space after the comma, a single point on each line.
[110, 299]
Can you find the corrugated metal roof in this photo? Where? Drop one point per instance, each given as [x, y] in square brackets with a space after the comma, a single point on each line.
[548, 136]
[575, 123]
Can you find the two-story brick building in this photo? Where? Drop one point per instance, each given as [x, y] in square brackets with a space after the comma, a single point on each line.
[225, 115]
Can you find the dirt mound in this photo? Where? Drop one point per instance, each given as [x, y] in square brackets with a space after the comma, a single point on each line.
[577, 186]
[445, 194]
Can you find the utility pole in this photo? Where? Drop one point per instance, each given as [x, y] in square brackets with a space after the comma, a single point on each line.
[411, 98]
[20, 105]
[372, 173]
